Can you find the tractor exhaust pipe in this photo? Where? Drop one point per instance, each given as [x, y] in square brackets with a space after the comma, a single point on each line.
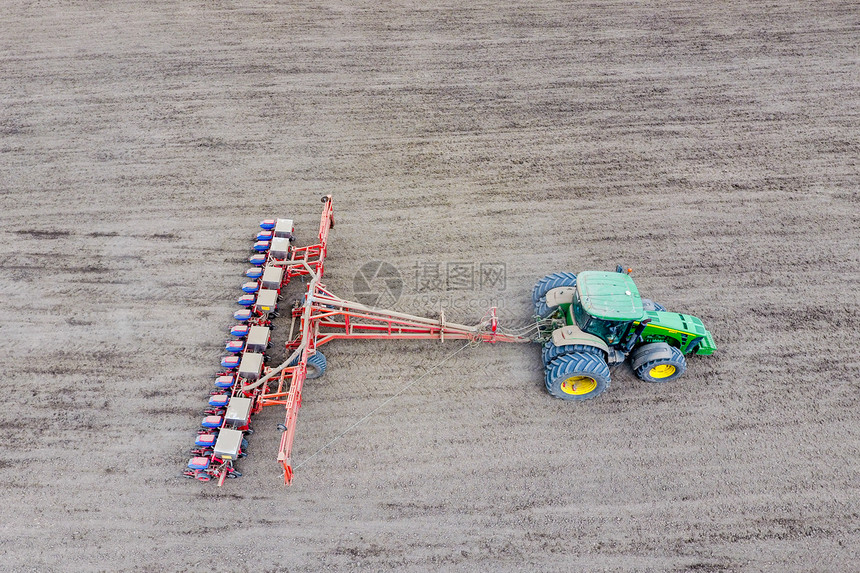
[637, 334]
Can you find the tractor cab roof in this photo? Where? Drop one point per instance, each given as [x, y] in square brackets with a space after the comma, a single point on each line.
[608, 295]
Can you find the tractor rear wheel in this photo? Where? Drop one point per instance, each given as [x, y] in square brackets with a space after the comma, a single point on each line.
[577, 376]
[546, 284]
[550, 282]
[663, 369]
[551, 351]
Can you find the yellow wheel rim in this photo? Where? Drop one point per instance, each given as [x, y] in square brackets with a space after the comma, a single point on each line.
[578, 385]
[662, 371]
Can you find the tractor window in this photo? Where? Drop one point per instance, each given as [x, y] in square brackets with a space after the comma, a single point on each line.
[608, 330]
[579, 315]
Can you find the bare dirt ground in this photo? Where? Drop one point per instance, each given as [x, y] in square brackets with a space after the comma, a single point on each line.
[710, 146]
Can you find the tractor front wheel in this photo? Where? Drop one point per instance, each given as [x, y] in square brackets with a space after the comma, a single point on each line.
[577, 376]
[664, 368]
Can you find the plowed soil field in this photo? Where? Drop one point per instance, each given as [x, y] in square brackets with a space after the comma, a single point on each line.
[712, 147]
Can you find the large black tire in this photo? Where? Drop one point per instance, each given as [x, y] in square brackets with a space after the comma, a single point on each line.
[663, 369]
[550, 282]
[316, 365]
[546, 284]
[550, 351]
[649, 304]
[577, 376]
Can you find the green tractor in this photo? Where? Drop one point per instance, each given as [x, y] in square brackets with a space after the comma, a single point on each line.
[594, 320]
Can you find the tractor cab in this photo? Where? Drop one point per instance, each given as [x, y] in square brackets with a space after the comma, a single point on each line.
[605, 305]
